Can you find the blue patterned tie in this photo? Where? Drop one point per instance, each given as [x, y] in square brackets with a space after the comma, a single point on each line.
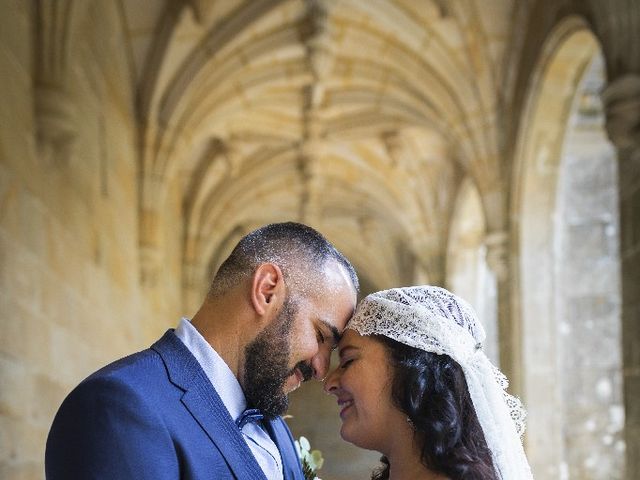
[249, 415]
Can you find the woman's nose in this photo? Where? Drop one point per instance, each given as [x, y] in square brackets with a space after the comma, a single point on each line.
[331, 382]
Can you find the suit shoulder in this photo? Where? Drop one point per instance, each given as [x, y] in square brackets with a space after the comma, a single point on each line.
[140, 372]
[132, 364]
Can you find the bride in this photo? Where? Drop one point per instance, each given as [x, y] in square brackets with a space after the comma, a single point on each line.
[414, 384]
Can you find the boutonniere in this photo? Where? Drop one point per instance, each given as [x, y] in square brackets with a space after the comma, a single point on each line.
[311, 459]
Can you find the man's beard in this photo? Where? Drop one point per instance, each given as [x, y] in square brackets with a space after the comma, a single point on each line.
[267, 365]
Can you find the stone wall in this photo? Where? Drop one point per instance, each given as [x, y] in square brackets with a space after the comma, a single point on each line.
[69, 288]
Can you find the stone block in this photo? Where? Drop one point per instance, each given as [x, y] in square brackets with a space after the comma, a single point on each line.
[9, 207]
[48, 395]
[71, 355]
[630, 276]
[16, 389]
[632, 436]
[631, 338]
[26, 448]
[586, 241]
[24, 470]
[32, 232]
[629, 174]
[16, 33]
[594, 457]
[632, 394]
[635, 219]
[626, 226]
[25, 336]
[24, 283]
[6, 440]
[65, 256]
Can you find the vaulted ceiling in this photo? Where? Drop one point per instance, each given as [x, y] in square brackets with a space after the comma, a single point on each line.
[358, 117]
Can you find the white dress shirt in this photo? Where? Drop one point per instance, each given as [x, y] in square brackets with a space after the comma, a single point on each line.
[230, 391]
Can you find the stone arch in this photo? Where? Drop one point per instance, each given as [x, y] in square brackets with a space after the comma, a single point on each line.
[544, 260]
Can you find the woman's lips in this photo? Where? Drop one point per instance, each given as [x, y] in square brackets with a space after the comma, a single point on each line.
[344, 406]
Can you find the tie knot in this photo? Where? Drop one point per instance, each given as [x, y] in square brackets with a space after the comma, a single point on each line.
[249, 415]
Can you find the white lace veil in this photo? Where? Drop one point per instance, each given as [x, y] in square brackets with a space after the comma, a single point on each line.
[434, 320]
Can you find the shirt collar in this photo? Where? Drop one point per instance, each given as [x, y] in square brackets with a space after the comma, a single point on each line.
[217, 371]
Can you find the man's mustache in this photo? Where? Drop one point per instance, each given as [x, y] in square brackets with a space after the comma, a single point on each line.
[305, 369]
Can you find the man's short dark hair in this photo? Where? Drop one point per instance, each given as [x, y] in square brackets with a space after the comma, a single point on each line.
[296, 248]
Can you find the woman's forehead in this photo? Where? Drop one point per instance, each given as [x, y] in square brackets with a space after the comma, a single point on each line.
[351, 338]
[348, 336]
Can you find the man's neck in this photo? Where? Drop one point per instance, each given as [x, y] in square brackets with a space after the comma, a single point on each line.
[218, 327]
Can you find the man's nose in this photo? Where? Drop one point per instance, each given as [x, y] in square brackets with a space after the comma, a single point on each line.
[320, 365]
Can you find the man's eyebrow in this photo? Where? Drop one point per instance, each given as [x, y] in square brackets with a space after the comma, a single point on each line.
[333, 329]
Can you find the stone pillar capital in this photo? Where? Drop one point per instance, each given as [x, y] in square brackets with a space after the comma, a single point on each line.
[497, 244]
[621, 99]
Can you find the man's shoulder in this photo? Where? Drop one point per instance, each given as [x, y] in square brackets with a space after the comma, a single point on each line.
[130, 367]
[135, 372]
[144, 371]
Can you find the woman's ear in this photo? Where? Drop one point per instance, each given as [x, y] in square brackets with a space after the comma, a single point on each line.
[267, 288]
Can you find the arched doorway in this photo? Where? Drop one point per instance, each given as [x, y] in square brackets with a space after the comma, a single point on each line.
[566, 215]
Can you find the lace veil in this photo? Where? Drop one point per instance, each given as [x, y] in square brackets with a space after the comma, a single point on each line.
[434, 320]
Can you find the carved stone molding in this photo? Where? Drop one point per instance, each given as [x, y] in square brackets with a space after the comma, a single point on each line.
[149, 230]
[498, 253]
[149, 260]
[315, 34]
[54, 108]
[201, 10]
[393, 145]
[621, 99]
[56, 129]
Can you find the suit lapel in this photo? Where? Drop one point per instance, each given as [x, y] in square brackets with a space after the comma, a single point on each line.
[292, 470]
[206, 407]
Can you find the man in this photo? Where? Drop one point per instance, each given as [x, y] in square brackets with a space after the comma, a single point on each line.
[274, 312]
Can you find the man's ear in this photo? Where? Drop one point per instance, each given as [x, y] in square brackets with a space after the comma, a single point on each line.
[267, 288]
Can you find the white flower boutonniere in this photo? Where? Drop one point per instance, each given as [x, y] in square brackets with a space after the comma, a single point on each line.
[311, 459]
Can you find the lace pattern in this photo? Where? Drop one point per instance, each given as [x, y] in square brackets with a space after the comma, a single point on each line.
[434, 320]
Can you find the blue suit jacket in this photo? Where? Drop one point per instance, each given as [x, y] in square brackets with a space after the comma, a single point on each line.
[155, 415]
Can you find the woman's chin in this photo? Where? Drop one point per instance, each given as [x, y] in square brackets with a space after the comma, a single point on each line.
[345, 432]
[352, 435]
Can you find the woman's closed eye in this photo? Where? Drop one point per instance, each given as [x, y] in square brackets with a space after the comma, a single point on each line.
[346, 362]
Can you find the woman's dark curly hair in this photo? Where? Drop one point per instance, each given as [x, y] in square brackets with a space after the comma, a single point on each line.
[432, 391]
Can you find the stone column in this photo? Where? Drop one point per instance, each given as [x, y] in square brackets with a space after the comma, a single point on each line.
[497, 245]
[622, 106]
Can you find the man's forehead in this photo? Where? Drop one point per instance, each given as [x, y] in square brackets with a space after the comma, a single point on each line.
[330, 283]
[337, 274]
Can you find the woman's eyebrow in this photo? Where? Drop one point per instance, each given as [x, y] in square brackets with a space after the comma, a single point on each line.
[347, 348]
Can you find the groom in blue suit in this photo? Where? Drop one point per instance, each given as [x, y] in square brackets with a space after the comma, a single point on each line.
[204, 402]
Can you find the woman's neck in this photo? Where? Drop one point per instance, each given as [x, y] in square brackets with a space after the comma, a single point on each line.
[405, 464]
[409, 469]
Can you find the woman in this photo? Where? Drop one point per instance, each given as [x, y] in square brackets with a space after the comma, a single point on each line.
[414, 384]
